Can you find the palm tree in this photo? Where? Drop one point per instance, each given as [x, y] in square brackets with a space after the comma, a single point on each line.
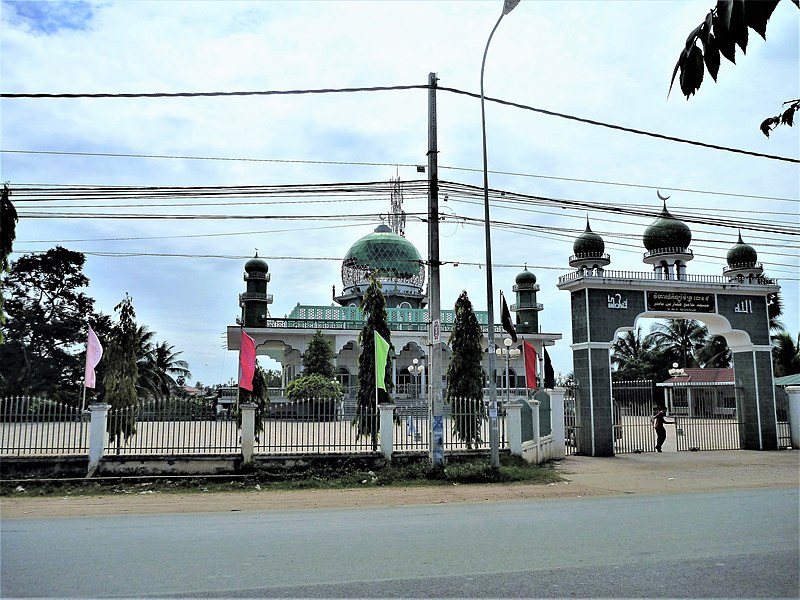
[715, 353]
[633, 356]
[159, 365]
[785, 355]
[680, 340]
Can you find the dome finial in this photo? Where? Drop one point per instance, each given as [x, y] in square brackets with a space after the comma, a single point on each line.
[739, 241]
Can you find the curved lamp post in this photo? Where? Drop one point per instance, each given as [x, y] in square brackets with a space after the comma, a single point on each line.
[494, 431]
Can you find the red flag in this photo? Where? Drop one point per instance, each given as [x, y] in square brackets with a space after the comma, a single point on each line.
[94, 352]
[530, 365]
[247, 362]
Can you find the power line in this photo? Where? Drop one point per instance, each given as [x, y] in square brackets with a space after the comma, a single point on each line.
[398, 88]
[397, 164]
[620, 127]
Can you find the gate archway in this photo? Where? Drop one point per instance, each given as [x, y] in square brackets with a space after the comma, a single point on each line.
[605, 303]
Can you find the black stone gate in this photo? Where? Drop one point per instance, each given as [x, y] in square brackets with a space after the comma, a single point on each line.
[606, 303]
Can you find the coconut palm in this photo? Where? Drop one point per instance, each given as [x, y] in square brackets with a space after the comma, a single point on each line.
[633, 356]
[159, 365]
[679, 340]
[785, 355]
[715, 353]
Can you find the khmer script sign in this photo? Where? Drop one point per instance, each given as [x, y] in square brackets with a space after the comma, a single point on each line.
[681, 302]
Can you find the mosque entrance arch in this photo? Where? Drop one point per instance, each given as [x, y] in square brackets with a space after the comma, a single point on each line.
[604, 303]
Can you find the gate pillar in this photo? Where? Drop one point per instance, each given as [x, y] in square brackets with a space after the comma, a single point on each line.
[755, 398]
[593, 405]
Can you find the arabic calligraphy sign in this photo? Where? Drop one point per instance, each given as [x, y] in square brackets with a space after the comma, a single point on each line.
[681, 302]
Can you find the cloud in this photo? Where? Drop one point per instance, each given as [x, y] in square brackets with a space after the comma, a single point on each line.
[48, 17]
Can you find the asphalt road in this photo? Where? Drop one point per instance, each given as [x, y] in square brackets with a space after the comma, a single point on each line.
[726, 544]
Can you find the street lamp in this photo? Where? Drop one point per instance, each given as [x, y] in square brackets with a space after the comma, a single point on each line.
[416, 370]
[508, 353]
[494, 430]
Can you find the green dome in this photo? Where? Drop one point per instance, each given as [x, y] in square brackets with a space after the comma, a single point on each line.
[392, 255]
[742, 254]
[588, 243]
[525, 277]
[256, 265]
[667, 232]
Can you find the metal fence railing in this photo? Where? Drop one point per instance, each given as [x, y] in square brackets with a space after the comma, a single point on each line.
[36, 426]
[320, 427]
[173, 427]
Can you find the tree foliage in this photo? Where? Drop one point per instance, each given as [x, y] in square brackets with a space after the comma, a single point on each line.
[680, 340]
[8, 231]
[314, 387]
[160, 367]
[121, 374]
[46, 325]
[373, 305]
[635, 357]
[725, 27]
[317, 359]
[465, 373]
[785, 355]
[259, 396]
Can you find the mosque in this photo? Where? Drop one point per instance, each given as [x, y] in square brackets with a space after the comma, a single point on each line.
[402, 274]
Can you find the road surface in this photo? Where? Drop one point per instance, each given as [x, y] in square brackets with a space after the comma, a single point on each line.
[741, 543]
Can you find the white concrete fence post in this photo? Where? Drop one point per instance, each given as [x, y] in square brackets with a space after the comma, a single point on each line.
[514, 425]
[387, 430]
[248, 432]
[557, 421]
[97, 435]
[793, 391]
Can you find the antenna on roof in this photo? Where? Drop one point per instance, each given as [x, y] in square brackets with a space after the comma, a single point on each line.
[397, 218]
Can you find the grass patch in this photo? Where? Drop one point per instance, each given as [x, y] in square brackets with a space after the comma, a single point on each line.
[346, 474]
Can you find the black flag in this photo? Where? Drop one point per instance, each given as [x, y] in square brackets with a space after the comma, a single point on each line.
[549, 374]
[505, 319]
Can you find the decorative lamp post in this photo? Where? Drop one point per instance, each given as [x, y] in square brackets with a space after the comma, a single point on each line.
[416, 370]
[508, 353]
[494, 430]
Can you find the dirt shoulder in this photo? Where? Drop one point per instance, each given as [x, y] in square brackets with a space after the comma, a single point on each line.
[648, 473]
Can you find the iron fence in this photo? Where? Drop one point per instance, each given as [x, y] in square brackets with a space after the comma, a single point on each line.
[782, 413]
[321, 426]
[37, 426]
[173, 427]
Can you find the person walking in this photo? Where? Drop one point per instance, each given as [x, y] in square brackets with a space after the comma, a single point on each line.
[659, 419]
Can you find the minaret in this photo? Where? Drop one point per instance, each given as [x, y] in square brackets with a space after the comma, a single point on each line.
[589, 252]
[667, 241]
[255, 301]
[742, 262]
[526, 307]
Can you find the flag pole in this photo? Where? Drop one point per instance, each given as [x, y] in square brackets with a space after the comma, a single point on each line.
[83, 402]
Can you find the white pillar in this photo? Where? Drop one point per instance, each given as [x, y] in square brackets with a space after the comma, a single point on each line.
[97, 434]
[248, 432]
[387, 430]
[793, 391]
[557, 421]
[514, 425]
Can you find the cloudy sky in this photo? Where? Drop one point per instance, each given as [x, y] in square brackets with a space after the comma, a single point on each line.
[606, 61]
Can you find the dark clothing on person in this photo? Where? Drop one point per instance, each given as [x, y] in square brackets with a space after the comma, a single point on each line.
[659, 419]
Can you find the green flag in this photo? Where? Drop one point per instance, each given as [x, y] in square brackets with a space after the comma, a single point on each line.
[381, 355]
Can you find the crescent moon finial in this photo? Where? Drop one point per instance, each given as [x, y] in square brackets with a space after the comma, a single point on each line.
[660, 197]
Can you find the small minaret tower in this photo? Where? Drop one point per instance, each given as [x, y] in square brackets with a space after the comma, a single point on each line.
[526, 307]
[743, 262]
[589, 252]
[667, 241]
[255, 301]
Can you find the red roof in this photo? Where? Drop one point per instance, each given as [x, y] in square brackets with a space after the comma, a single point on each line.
[704, 376]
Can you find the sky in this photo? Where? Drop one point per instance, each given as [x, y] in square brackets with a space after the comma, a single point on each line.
[605, 61]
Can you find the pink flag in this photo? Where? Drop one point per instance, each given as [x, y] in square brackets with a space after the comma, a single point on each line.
[247, 362]
[94, 352]
[530, 365]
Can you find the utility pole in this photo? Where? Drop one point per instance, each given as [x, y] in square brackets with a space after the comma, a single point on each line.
[434, 300]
